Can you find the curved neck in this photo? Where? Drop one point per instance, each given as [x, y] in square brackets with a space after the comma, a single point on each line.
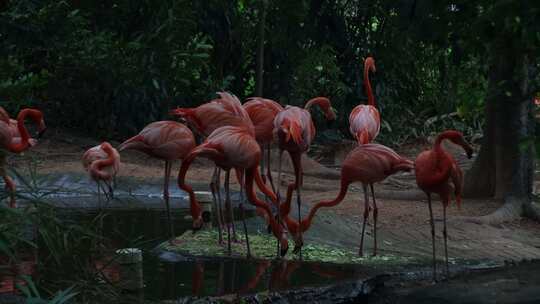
[322, 102]
[23, 144]
[195, 207]
[98, 165]
[306, 223]
[252, 197]
[367, 84]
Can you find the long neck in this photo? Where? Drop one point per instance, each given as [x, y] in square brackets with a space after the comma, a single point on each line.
[23, 144]
[195, 208]
[437, 145]
[440, 159]
[264, 189]
[322, 102]
[306, 223]
[252, 197]
[367, 84]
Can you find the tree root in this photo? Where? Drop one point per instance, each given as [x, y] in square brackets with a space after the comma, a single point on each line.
[512, 209]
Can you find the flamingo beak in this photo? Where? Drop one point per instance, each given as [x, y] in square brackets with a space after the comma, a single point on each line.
[42, 129]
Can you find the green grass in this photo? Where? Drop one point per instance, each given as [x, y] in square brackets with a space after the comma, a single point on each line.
[263, 246]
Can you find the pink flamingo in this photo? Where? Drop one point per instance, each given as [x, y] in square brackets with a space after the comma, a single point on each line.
[9, 141]
[227, 110]
[262, 113]
[168, 141]
[437, 172]
[364, 120]
[234, 148]
[294, 130]
[368, 164]
[102, 163]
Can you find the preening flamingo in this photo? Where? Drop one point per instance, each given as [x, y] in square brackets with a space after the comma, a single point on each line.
[262, 113]
[226, 110]
[294, 130]
[437, 172]
[102, 163]
[9, 141]
[364, 120]
[368, 164]
[234, 148]
[168, 141]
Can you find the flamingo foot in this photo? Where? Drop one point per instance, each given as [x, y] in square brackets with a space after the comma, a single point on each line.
[175, 242]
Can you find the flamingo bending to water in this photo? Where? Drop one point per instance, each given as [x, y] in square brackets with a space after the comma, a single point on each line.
[262, 113]
[226, 110]
[234, 148]
[294, 130]
[368, 164]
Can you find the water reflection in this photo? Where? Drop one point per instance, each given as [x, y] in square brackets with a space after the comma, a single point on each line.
[12, 272]
[165, 280]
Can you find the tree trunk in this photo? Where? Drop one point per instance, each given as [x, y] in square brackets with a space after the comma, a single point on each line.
[260, 51]
[511, 100]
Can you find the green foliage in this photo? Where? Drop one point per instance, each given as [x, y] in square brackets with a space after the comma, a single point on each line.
[109, 68]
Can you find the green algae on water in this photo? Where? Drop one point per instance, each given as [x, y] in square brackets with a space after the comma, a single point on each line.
[263, 246]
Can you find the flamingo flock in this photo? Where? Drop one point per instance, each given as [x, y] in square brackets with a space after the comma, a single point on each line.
[239, 137]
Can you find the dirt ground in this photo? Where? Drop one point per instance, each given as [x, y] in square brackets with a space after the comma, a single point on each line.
[403, 213]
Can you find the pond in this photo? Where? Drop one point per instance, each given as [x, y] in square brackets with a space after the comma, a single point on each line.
[167, 277]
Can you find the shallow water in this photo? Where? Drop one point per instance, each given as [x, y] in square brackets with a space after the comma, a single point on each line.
[166, 277]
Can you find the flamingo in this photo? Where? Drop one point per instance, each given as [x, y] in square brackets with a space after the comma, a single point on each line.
[9, 141]
[227, 110]
[234, 147]
[168, 141]
[437, 172]
[368, 164]
[262, 112]
[364, 120]
[102, 163]
[295, 131]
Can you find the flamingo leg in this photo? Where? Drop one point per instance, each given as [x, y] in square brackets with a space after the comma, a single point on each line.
[10, 185]
[278, 199]
[268, 168]
[298, 202]
[168, 165]
[111, 189]
[228, 210]
[99, 195]
[217, 181]
[375, 213]
[445, 241]
[432, 236]
[366, 215]
[217, 207]
[243, 215]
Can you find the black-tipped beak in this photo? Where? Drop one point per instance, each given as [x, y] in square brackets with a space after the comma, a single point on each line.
[41, 132]
[284, 251]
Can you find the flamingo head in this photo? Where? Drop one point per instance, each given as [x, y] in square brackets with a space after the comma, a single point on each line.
[369, 64]
[197, 223]
[284, 244]
[298, 243]
[457, 138]
[330, 113]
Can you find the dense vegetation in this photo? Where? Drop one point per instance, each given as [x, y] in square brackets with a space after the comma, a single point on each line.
[109, 67]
